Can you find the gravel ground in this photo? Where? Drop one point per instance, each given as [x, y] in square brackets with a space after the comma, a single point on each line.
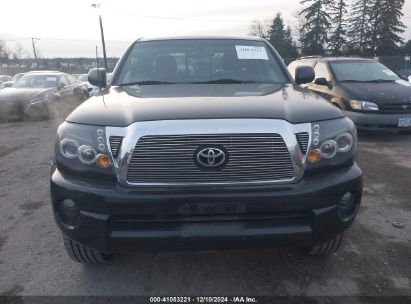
[375, 258]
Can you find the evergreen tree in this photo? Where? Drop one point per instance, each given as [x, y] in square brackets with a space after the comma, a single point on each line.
[407, 48]
[359, 31]
[338, 38]
[280, 37]
[388, 41]
[315, 28]
[291, 46]
[376, 19]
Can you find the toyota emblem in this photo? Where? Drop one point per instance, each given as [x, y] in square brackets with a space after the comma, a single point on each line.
[211, 157]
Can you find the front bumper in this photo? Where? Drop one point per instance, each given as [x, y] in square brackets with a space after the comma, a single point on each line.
[114, 218]
[377, 121]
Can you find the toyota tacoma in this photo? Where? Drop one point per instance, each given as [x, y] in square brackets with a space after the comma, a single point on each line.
[203, 143]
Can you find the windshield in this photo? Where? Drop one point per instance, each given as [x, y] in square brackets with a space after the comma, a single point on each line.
[200, 61]
[364, 71]
[36, 81]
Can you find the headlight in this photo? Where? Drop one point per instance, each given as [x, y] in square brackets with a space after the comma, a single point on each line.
[82, 149]
[87, 154]
[334, 144]
[69, 148]
[363, 105]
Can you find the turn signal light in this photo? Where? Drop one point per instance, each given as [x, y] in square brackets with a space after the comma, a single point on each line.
[103, 161]
[314, 156]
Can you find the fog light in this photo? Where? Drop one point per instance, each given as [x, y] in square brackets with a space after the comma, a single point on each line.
[103, 161]
[69, 211]
[314, 156]
[347, 206]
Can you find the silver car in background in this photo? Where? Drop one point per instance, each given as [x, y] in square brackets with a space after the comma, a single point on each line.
[4, 78]
[10, 82]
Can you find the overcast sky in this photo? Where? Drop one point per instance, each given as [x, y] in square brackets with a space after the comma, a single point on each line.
[54, 21]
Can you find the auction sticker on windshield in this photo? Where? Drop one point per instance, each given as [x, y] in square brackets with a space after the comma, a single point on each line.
[251, 52]
[404, 123]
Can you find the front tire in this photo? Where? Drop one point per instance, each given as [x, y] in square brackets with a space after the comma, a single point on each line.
[83, 254]
[326, 248]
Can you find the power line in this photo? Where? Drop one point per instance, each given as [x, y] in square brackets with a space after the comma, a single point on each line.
[15, 39]
[193, 19]
[207, 19]
[65, 39]
[156, 17]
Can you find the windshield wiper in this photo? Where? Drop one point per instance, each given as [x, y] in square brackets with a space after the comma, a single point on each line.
[224, 81]
[145, 82]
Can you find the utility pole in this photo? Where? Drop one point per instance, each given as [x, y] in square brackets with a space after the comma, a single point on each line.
[96, 56]
[97, 6]
[34, 51]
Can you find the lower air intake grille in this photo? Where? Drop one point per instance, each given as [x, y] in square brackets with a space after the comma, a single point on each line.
[115, 143]
[178, 222]
[303, 141]
[170, 159]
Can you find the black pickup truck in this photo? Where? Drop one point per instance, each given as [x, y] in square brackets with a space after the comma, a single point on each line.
[203, 143]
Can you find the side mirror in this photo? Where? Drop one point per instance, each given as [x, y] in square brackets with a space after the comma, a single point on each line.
[304, 74]
[7, 84]
[98, 77]
[322, 82]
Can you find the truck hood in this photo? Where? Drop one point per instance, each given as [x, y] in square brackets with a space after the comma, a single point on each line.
[122, 106]
[380, 93]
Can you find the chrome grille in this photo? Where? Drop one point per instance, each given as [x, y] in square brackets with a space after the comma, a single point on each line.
[170, 159]
[303, 141]
[115, 143]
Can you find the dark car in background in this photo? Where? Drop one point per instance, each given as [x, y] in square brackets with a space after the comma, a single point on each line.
[40, 94]
[369, 93]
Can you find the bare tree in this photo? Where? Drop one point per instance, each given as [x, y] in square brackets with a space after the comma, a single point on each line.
[259, 29]
[19, 51]
[4, 52]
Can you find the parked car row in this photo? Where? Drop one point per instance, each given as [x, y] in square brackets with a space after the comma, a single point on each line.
[39, 94]
[16, 101]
